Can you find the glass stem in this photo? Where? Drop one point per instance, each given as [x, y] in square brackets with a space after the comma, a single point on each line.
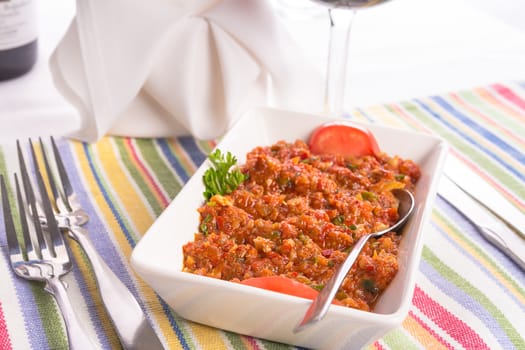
[341, 20]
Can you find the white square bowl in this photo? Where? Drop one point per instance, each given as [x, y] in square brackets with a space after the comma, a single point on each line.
[158, 258]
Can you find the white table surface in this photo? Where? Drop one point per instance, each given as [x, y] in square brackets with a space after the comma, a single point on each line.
[402, 49]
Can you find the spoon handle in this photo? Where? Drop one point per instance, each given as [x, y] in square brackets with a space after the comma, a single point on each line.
[320, 305]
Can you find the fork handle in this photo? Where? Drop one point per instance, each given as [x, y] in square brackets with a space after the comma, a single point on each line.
[77, 337]
[129, 320]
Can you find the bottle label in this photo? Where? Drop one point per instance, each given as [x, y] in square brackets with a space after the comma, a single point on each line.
[17, 23]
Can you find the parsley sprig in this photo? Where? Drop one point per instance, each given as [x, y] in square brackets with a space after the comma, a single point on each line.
[220, 178]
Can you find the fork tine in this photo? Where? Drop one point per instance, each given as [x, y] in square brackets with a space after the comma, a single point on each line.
[62, 173]
[32, 251]
[12, 240]
[50, 178]
[55, 233]
[31, 202]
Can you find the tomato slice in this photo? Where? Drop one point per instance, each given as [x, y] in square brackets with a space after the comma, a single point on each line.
[284, 285]
[343, 138]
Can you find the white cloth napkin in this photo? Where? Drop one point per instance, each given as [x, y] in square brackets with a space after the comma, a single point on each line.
[168, 67]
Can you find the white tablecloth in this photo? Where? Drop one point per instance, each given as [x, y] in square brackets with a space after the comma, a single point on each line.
[403, 49]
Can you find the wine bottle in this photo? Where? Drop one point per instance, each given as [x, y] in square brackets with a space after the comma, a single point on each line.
[18, 37]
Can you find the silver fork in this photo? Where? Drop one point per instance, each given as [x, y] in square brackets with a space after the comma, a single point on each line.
[42, 256]
[129, 320]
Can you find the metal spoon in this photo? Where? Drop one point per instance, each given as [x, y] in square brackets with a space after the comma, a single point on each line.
[320, 305]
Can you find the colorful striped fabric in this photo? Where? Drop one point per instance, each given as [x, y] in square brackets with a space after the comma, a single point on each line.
[468, 294]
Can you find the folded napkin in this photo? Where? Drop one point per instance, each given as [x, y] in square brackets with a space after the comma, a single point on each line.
[169, 67]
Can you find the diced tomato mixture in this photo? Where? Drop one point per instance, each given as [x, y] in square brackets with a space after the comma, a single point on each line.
[299, 214]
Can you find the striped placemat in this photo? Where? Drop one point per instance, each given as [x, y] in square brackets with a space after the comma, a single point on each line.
[468, 294]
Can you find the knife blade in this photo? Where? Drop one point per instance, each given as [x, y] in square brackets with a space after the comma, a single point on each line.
[492, 229]
[473, 184]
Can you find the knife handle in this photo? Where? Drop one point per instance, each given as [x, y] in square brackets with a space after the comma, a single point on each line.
[127, 317]
[493, 237]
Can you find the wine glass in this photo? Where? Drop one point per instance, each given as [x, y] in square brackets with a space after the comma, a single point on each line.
[341, 14]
